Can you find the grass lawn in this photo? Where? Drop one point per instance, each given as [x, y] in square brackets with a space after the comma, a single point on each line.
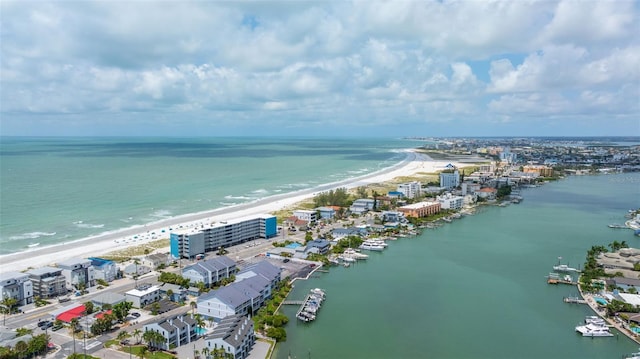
[135, 350]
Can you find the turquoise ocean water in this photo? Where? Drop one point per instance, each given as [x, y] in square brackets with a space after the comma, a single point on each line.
[54, 190]
[474, 288]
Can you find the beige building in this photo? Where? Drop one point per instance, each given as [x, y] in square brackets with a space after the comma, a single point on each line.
[420, 209]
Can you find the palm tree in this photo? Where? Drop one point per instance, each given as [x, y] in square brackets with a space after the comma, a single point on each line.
[123, 335]
[211, 321]
[7, 303]
[143, 352]
[193, 307]
[205, 352]
[199, 321]
[136, 334]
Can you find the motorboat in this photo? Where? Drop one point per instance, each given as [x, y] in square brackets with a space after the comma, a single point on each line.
[594, 330]
[564, 268]
[594, 319]
[371, 247]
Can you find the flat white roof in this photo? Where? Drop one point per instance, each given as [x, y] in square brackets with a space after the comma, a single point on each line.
[140, 293]
[630, 298]
[419, 205]
[220, 224]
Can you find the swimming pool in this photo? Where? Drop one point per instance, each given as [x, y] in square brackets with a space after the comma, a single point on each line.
[600, 301]
[636, 330]
[201, 331]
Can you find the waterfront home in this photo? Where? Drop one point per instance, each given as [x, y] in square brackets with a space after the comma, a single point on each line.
[234, 335]
[210, 271]
[156, 260]
[143, 295]
[176, 331]
[420, 209]
[625, 283]
[189, 243]
[392, 216]
[625, 258]
[48, 282]
[449, 201]
[253, 286]
[104, 269]
[322, 245]
[78, 272]
[487, 193]
[17, 286]
[339, 233]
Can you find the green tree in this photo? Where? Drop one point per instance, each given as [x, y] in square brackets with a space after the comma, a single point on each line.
[308, 237]
[88, 307]
[8, 306]
[123, 335]
[137, 334]
[121, 310]
[142, 352]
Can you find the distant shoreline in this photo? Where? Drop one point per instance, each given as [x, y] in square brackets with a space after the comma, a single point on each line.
[115, 240]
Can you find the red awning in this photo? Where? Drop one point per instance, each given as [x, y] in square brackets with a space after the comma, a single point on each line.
[71, 313]
[102, 314]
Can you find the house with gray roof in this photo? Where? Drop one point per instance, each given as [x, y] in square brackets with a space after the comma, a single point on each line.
[78, 272]
[108, 298]
[210, 271]
[48, 282]
[234, 335]
[16, 285]
[264, 269]
[177, 331]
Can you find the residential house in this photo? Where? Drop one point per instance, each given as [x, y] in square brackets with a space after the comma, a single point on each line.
[362, 205]
[48, 282]
[234, 335]
[177, 331]
[306, 215]
[487, 193]
[108, 298]
[210, 271]
[174, 292]
[339, 233]
[143, 295]
[326, 212]
[322, 245]
[78, 272]
[136, 270]
[16, 285]
[104, 269]
[156, 260]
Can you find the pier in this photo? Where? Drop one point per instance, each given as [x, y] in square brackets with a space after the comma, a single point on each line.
[575, 300]
[560, 281]
[310, 305]
[293, 302]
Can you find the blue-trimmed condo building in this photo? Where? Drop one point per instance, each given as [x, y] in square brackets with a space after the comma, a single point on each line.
[191, 242]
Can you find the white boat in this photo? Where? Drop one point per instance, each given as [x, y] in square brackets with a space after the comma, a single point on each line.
[378, 242]
[347, 258]
[564, 268]
[353, 254]
[594, 330]
[593, 319]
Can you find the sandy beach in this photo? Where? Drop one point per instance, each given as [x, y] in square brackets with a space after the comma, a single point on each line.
[107, 242]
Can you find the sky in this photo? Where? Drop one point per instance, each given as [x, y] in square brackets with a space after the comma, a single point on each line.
[320, 68]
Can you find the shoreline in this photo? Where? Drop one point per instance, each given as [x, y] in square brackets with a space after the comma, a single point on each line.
[103, 243]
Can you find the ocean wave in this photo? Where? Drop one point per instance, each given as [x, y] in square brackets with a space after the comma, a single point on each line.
[161, 213]
[228, 203]
[31, 235]
[260, 191]
[80, 224]
[237, 197]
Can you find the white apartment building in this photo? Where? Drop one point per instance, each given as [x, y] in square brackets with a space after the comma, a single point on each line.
[17, 286]
[410, 189]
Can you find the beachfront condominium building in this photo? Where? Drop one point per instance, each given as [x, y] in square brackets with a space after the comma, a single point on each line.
[450, 178]
[78, 273]
[17, 286]
[176, 331]
[410, 189]
[420, 209]
[234, 335]
[189, 243]
[48, 282]
[210, 271]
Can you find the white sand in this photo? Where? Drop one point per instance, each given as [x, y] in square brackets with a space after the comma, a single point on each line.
[107, 242]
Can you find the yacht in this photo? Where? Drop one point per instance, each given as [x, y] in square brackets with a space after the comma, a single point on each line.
[379, 242]
[564, 268]
[593, 330]
[371, 246]
[594, 319]
[353, 254]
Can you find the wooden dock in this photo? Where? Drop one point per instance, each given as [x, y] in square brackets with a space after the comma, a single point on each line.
[575, 300]
[560, 281]
[293, 302]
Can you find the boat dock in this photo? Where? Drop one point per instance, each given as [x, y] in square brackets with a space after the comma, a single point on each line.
[310, 306]
[560, 281]
[293, 302]
[575, 300]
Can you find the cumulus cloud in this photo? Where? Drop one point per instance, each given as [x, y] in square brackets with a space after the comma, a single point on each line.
[363, 63]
